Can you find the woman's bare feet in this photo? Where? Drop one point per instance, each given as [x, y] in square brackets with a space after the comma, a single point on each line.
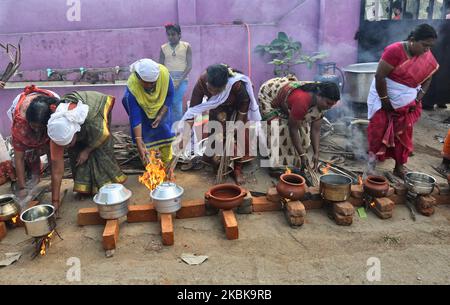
[400, 171]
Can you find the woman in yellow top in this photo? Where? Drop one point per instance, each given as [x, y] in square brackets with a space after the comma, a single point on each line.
[148, 102]
[176, 55]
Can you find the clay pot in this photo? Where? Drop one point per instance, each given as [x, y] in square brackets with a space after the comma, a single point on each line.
[376, 186]
[225, 196]
[291, 186]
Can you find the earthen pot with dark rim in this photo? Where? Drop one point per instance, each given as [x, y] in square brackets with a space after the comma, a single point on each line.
[225, 196]
[291, 186]
[376, 186]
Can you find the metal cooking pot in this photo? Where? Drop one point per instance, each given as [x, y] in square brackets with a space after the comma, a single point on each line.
[420, 183]
[167, 197]
[39, 220]
[8, 207]
[335, 187]
[112, 201]
[358, 79]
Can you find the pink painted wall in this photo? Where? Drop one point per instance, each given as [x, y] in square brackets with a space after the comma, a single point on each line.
[117, 32]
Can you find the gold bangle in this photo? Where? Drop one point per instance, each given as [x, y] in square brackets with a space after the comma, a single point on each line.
[243, 113]
[384, 97]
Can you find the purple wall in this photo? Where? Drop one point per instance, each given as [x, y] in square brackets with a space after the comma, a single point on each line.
[117, 32]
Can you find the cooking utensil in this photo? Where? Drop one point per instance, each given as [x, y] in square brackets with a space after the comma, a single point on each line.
[167, 197]
[112, 201]
[39, 220]
[226, 196]
[335, 188]
[420, 183]
[8, 207]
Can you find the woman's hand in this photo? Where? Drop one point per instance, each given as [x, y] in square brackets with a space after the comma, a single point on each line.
[386, 104]
[315, 160]
[83, 156]
[156, 122]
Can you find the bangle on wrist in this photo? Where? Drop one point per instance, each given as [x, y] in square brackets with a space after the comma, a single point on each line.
[384, 97]
[423, 91]
[302, 155]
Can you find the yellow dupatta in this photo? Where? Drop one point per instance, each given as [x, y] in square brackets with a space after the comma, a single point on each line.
[150, 102]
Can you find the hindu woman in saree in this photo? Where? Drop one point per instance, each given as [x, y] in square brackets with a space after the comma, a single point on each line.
[148, 102]
[29, 113]
[394, 102]
[82, 123]
[227, 95]
[299, 108]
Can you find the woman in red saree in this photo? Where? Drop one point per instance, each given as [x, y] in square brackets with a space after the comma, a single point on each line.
[394, 103]
[29, 114]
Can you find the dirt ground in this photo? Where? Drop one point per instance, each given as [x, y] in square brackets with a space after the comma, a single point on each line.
[268, 250]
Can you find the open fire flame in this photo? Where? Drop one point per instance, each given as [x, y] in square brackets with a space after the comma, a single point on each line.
[372, 204]
[46, 243]
[14, 219]
[155, 172]
[288, 171]
[326, 169]
[360, 180]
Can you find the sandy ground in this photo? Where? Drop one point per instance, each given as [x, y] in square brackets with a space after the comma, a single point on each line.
[268, 251]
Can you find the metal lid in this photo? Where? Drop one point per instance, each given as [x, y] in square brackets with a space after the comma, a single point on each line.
[167, 191]
[112, 194]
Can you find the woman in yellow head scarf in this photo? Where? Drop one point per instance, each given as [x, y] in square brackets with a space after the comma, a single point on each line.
[148, 102]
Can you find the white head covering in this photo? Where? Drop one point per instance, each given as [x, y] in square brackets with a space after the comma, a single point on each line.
[147, 69]
[64, 123]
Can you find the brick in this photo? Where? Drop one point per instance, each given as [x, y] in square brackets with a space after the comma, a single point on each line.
[142, 213]
[294, 221]
[343, 208]
[382, 215]
[426, 201]
[230, 224]
[384, 204]
[111, 234]
[272, 195]
[391, 191]
[89, 216]
[191, 209]
[356, 202]
[261, 204]
[398, 199]
[342, 220]
[3, 230]
[425, 205]
[167, 229]
[400, 189]
[209, 209]
[313, 199]
[295, 209]
[441, 198]
[357, 191]
[247, 205]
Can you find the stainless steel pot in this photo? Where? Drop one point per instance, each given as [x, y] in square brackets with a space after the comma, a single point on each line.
[335, 188]
[358, 79]
[167, 197]
[39, 220]
[8, 207]
[420, 183]
[112, 201]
